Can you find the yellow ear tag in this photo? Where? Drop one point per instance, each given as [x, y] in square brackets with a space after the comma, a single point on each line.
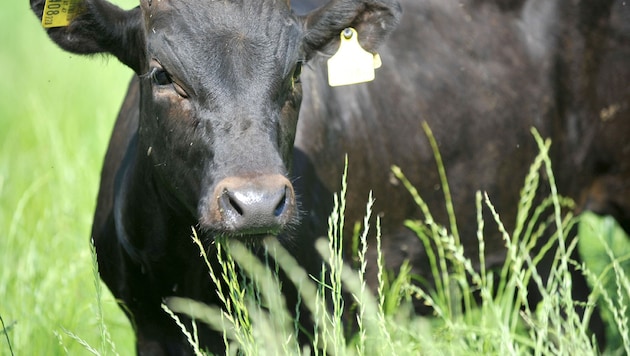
[351, 64]
[59, 13]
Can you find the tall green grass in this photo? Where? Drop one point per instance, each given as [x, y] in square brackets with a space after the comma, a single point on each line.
[56, 114]
[499, 321]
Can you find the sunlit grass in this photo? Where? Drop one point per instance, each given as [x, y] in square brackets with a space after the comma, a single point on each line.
[56, 114]
[499, 321]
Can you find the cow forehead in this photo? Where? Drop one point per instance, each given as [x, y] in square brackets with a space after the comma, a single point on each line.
[266, 22]
[234, 38]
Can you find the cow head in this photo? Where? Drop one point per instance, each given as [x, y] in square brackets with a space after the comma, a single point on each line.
[220, 93]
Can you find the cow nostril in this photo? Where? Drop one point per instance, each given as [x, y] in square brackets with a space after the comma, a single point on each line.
[280, 207]
[234, 204]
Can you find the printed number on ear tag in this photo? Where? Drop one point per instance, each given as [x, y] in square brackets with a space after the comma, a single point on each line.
[59, 13]
[351, 64]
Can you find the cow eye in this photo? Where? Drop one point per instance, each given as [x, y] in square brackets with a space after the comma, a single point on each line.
[161, 77]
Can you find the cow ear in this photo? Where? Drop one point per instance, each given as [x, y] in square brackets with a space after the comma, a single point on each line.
[100, 27]
[374, 20]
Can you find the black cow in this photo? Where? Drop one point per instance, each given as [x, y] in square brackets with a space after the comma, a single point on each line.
[480, 72]
[204, 138]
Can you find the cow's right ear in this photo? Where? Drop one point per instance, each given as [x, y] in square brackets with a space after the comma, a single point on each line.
[374, 20]
[101, 27]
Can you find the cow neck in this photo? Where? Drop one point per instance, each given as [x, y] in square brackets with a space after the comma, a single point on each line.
[120, 200]
[144, 217]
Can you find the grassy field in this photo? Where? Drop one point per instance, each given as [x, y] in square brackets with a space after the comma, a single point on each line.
[56, 114]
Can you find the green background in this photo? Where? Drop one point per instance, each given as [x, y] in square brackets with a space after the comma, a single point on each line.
[56, 114]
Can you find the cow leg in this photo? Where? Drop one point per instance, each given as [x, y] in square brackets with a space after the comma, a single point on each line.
[161, 339]
[152, 346]
[156, 332]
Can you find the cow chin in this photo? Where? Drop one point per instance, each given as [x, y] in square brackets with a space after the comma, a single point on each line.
[254, 240]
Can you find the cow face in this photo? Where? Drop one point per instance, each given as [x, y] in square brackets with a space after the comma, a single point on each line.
[220, 94]
[219, 102]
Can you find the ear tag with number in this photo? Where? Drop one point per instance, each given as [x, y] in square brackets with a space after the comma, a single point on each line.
[59, 13]
[351, 64]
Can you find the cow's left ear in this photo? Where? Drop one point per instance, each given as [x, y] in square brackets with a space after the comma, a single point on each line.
[100, 27]
[374, 20]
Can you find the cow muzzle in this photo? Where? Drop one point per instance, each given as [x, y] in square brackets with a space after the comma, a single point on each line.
[247, 206]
